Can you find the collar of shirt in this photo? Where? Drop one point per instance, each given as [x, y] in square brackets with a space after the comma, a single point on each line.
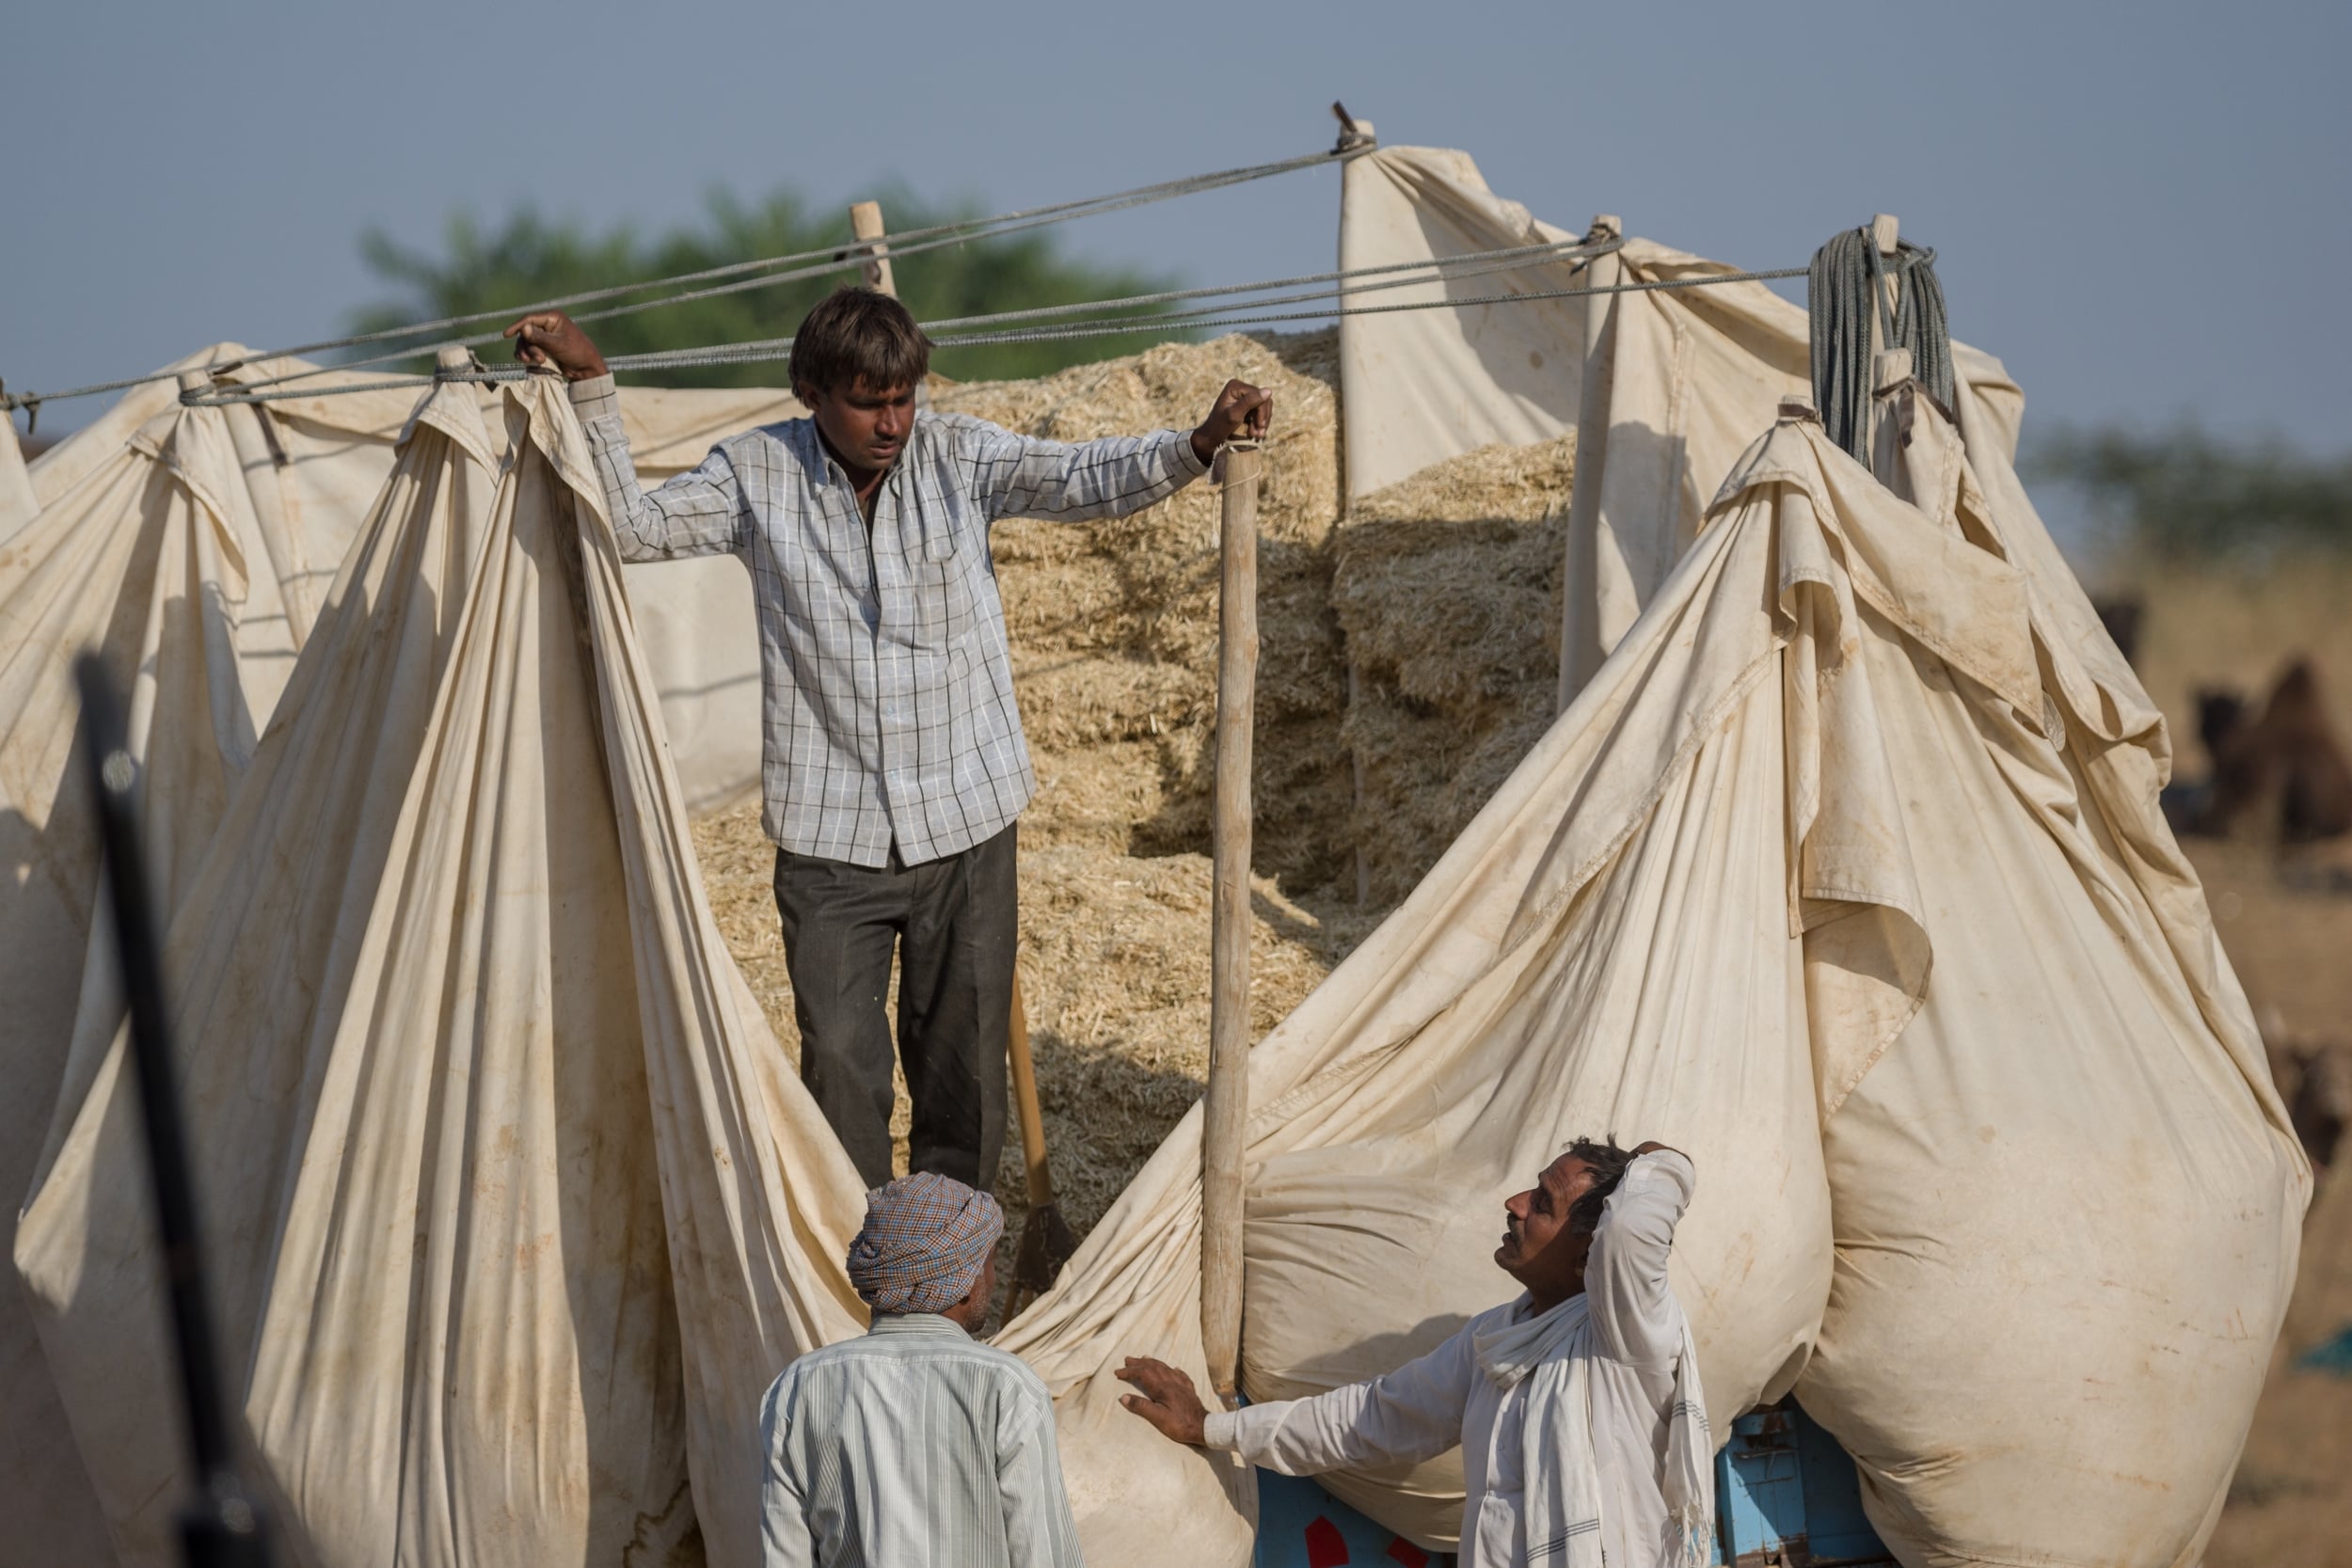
[824, 471]
[913, 1323]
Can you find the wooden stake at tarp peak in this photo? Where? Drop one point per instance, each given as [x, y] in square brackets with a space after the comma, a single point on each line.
[865, 225]
[1226, 1111]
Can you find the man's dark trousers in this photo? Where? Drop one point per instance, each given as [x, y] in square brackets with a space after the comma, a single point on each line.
[953, 921]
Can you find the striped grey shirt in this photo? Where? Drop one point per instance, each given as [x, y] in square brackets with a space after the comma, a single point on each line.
[888, 703]
[912, 1447]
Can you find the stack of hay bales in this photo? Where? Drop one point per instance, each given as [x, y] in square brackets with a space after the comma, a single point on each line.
[1445, 593]
[1447, 586]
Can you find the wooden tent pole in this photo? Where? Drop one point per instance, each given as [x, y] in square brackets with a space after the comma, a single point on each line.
[1225, 1112]
[865, 223]
[1885, 229]
[1578, 663]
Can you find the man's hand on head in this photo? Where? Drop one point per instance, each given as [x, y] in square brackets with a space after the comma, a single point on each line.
[1654, 1148]
[1168, 1400]
[1240, 410]
[551, 337]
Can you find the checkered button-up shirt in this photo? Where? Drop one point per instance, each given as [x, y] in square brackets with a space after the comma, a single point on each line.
[888, 698]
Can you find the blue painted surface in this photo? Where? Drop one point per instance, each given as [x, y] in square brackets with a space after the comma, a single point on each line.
[1780, 1481]
[2335, 1356]
[1302, 1526]
[1760, 1487]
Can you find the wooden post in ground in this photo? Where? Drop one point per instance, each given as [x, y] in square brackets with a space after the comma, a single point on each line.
[865, 223]
[1579, 659]
[1226, 1111]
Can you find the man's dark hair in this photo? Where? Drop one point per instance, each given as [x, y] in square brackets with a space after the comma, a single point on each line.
[859, 335]
[1607, 1163]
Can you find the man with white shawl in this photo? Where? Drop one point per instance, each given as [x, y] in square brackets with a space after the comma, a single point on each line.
[1578, 1407]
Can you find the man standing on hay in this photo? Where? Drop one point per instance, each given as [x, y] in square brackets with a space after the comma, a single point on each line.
[1577, 1407]
[894, 769]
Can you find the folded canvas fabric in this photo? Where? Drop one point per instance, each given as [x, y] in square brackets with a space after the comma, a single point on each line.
[1806, 854]
[140, 538]
[17, 503]
[516, 1206]
[2111, 1010]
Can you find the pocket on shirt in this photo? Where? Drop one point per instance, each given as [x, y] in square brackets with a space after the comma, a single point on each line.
[946, 608]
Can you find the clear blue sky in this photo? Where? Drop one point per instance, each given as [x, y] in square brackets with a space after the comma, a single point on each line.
[2136, 205]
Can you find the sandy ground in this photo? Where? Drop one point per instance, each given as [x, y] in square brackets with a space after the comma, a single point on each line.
[2291, 1506]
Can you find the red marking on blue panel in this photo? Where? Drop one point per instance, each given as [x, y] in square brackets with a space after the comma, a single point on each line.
[1325, 1547]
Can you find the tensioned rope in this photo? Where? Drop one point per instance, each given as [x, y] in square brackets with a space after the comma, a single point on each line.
[1469, 264]
[723, 354]
[1438, 270]
[769, 270]
[1252, 316]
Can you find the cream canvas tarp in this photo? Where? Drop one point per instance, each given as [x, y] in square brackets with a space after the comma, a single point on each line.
[694, 617]
[1683, 380]
[514, 1205]
[2120, 1069]
[1818, 789]
[317, 462]
[16, 504]
[149, 546]
[1681, 375]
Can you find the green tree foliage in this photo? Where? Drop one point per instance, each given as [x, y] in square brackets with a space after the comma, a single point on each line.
[2187, 494]
[528, 258]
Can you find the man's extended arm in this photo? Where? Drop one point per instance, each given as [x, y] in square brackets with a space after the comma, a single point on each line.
[1625, 1275]
[700, 512]
[1411, 1413]
[1023, 476]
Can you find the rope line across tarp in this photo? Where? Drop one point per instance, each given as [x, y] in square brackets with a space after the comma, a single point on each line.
[781, 348]
[771, 270]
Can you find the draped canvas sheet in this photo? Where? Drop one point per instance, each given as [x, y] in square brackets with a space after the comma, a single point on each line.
[1830, 720]
[318, 462]
[1686, 377]
[16, 504]
[515, 1205]
[1616, 944]
[694, 618]
[2083, 1192]
[148, 546]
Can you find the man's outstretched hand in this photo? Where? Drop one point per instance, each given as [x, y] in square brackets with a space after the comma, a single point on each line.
[1166, 1400]
[1239, 410]
[552, 337]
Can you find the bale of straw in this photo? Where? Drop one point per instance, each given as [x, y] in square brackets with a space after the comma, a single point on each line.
[1447, 589]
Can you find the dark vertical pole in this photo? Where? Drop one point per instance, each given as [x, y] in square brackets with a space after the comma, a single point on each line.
[220, 1527]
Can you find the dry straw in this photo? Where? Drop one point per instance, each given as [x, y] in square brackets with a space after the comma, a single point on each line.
[1444, 590]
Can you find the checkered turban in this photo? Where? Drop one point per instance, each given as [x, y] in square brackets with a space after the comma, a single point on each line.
[924, 1240]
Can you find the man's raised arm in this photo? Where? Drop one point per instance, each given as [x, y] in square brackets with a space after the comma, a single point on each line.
[1024, 476]
[1624, 1276]
[700, 512]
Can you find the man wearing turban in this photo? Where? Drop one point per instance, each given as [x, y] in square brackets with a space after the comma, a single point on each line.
[915, 1445]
